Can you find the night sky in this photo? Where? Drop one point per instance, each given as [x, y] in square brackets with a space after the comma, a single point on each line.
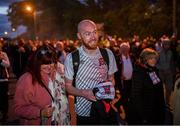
[4, 23]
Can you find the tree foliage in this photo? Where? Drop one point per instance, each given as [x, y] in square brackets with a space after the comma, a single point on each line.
[121, 17]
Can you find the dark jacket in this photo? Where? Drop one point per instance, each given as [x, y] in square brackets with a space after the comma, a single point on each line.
[147, 104]
[100, 116]
[20, 60]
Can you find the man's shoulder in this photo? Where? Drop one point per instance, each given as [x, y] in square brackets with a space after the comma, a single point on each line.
[107, 49]
[68, 59]
[74, 52]
[110, 54]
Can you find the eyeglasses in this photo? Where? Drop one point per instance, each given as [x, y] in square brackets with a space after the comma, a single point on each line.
[47, 68]
[151, 58]
[88, 34]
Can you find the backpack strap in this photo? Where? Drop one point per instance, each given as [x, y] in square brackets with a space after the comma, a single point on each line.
[105, 56]
[76, 62]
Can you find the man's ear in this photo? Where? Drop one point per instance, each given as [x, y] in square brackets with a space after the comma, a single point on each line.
[79, 36]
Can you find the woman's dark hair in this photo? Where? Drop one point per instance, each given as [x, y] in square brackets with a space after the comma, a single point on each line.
[44, 55]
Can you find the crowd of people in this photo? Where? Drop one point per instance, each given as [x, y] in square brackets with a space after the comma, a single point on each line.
[114, 81]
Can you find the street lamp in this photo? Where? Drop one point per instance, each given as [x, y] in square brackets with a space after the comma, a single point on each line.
[6, 33]
[32, 10]
[28, 8]
[13, 29]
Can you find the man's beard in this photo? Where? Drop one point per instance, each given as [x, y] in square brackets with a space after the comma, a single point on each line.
[90, 47]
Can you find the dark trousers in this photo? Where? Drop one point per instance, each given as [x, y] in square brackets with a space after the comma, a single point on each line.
[126, 91]
[127, 85]
[82, 120]
[4, 99]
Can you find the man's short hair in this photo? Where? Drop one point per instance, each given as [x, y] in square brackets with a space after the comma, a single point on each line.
[84, 21]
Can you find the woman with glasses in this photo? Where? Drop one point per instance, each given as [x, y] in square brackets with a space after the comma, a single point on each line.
[40, 96]
[146, 105]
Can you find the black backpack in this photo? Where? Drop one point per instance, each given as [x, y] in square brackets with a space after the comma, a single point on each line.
[76, 61]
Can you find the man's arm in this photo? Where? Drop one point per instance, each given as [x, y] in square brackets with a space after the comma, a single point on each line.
[86, 93]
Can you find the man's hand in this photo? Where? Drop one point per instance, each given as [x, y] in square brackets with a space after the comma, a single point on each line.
[88, 94]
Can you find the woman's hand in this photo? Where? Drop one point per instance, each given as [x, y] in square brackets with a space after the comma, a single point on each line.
[47, 111]
[122, 114]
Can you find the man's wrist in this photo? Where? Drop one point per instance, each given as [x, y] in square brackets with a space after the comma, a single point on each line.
[83, 93]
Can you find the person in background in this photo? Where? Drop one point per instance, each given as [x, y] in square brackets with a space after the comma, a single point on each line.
[126, 64]
[176, 101]
[123, 77]
[61, 54]
[146, 104]
[40, 96]
[20, 54]
[4, 75]
[166, 66]
[117, 105]
[178, 55]
[158, 46]
[135, 46]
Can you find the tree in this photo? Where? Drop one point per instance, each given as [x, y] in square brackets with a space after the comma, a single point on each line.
[61, 17]
[120, 17]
